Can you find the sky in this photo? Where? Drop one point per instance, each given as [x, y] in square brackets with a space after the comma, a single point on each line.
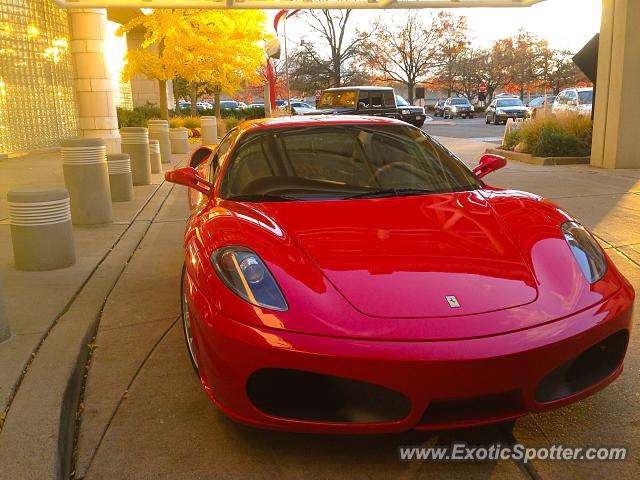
[564, 23]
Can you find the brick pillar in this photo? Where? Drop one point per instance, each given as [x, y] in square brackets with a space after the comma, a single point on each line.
[92, 77]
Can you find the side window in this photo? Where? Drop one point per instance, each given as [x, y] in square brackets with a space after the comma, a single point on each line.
[389, 99]
[198, 157]
[223, 148]
[363, 100]
[562, 98]
[375, 98]
[571, 96]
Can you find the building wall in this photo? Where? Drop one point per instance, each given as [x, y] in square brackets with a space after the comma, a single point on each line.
[38, 105]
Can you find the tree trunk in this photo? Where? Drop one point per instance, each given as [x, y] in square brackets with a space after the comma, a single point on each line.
[194, 99]
[410, 92]
[337, 78]
[176, 97]
[164, 110]
[216, 98]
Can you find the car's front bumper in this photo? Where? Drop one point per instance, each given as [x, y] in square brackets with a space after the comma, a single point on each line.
[446, 384]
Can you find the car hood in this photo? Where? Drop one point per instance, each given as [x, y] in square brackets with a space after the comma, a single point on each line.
[420, 256]
[512, 109]
[413, 108]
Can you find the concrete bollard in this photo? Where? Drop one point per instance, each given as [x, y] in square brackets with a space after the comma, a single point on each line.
[135, 142]
[84, 164]
[41, 231]
[179, 140]
[154, 156]
[5, 333]
[209, 127]
[159, 130]
[120, 180]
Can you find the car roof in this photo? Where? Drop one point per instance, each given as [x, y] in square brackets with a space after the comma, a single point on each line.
[316, 120]
[361, 87]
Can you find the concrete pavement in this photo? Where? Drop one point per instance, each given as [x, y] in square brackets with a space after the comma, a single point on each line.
[144, 415]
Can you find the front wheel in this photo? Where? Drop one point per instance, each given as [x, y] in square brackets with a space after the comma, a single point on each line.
[495, 120]
[186, 322]
[419, 124]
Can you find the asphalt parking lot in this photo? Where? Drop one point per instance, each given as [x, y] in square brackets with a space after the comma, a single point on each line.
[146, 415]
[470, 128]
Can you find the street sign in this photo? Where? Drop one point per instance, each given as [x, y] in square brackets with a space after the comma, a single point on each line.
[482, 88]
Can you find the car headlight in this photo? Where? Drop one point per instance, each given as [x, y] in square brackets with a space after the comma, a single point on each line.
[500, 112]
[586, 251]
[405, 112]
[244, 272]
[454, 109]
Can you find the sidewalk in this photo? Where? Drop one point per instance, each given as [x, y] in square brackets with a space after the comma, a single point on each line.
[40, 306]
[144, 415]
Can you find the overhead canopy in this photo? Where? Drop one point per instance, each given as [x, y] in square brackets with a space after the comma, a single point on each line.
[293, 4]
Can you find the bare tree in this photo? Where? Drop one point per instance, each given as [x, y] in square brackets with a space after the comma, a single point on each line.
[331, 26]
[403, 52]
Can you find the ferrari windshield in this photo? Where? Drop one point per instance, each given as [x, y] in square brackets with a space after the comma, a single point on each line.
[342, 161]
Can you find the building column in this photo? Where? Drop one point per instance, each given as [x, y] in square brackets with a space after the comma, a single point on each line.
[145, 89]
[617, 100]
[92, 77]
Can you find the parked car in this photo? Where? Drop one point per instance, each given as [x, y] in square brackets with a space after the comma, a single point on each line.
[184, 105]
[377, 101]
[203, 105]
[439, 108]
[540, 103]
[458, 107]
[229, 105]
[412, 114]
[503, 108]
[352, 275]
[300, 108]
[256, 105]
[577, 100]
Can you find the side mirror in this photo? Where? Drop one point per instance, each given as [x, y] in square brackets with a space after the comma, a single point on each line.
[188, 177]
[489, 163]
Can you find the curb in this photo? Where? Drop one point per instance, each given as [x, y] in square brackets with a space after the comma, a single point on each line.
[543, 161]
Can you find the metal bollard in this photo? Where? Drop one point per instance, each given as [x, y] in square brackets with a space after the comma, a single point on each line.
[84, 164]
[179, 140]
[41, 231]
[209, 130]
[5, 333]
[159, 130]
[120, 180]
[154, 156]
[135, 142]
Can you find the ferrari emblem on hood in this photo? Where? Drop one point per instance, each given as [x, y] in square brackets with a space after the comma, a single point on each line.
[453, 301]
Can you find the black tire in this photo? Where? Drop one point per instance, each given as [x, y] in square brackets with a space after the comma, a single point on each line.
[486, 119]
[495, 120]
[470, 116]
[419, 124]
[184, 323]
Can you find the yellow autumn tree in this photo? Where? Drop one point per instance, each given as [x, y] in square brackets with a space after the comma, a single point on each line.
[220, 48]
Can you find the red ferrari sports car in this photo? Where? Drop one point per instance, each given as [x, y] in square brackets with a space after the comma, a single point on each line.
[351, 275]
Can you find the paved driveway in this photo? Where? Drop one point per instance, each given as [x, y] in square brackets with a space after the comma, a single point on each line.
[470, 128]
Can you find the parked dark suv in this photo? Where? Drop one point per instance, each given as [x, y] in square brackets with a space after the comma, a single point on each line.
[412, 114]
[377, 101]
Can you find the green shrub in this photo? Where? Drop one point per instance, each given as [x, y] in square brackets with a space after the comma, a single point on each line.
[176, 122]
[512, 139]
[138, 117]
[548, 136]
[191, 122]
[554, 142]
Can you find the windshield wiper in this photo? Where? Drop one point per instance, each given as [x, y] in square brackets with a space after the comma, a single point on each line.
[389, 192]
[263, 197]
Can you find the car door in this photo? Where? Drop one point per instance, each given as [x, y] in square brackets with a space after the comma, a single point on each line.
[491, 110]
[572, 101]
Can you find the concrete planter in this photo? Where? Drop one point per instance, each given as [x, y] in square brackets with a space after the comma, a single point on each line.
[528, 158]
